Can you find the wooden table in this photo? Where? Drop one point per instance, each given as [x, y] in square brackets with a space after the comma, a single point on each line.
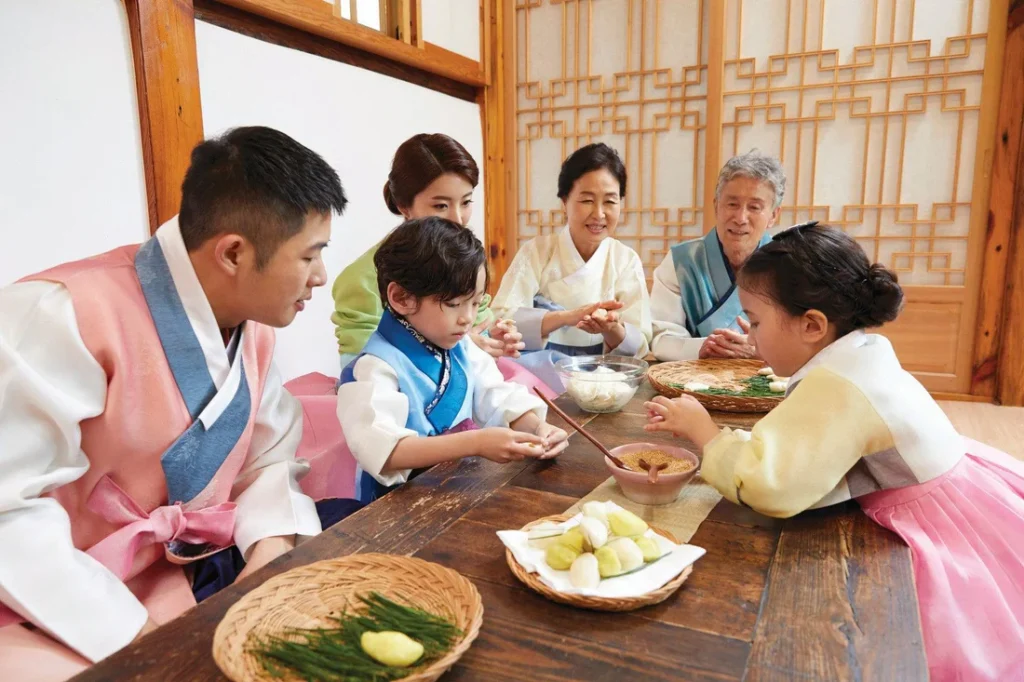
[825, 596]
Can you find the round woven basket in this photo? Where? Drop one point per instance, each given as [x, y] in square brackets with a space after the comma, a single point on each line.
[668, 378]
[306, 597]
[534, 582]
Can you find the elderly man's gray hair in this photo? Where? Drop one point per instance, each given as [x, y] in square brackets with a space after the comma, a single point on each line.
[756, 166]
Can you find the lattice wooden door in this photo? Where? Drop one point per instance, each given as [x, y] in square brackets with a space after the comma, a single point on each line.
[882, 112]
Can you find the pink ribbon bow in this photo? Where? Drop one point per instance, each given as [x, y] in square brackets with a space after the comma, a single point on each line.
[117, 551]
[214, 525]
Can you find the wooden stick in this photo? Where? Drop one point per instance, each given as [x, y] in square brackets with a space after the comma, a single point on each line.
[583, 432]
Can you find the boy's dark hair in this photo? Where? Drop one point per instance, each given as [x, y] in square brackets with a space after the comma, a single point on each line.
[256, 182]
[419, 161]
[816, 267]
[588, 159]
[430, 257]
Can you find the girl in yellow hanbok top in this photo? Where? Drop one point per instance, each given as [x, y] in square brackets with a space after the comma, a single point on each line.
[856, 425]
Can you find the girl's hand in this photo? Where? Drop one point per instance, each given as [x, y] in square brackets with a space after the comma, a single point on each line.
[502, 445]
[505, 333]
[491, 346]
[556, 439]
[684, 416]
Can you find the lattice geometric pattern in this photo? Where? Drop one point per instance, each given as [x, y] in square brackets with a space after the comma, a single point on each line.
[633, 74]
[872, 105]
[873, 108]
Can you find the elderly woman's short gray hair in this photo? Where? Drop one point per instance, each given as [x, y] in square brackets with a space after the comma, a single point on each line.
[756, 166]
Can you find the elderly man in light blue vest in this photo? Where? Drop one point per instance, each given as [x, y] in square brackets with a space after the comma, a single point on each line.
[695, 307]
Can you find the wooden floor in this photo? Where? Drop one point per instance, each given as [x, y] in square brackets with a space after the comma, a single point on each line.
[1000, 427]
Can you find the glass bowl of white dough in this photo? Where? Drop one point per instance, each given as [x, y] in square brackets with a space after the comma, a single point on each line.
[601, 383]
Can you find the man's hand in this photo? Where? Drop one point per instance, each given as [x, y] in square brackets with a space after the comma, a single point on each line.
[265, 551]
[725, 343]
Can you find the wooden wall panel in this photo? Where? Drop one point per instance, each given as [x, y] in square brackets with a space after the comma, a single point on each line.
[926, 335]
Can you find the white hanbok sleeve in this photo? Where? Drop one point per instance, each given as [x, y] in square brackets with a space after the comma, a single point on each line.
[49, 383]
[270, 501]
[631, 291]
[514, 299]
[373, 414]
[497, 402]
[671, 341]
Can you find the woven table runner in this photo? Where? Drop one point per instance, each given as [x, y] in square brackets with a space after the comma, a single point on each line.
[681, 518]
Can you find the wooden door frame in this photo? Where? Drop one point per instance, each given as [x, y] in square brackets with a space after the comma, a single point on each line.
[997, 315]
[1004, 255]
[163, 39]
[163, 43]
[497, 110]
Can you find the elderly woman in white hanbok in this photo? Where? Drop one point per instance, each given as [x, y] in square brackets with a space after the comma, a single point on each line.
[579, 291]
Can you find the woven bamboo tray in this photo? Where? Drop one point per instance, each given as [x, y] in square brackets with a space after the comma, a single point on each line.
[305, 597]
[532, 581]
[725, 372]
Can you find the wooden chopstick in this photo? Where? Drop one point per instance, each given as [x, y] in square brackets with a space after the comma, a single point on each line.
[582, 431]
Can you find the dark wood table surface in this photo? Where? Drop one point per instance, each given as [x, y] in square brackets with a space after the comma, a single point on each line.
[827, 595]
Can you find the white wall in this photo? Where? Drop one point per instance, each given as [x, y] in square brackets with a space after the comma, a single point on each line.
[355, 119]
[453, 25]
[71, 173]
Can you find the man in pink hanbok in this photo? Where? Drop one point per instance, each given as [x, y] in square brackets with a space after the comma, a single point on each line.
[143, 427]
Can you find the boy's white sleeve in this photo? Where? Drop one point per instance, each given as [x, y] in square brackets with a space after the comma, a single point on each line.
[373, 415]
[497, 402]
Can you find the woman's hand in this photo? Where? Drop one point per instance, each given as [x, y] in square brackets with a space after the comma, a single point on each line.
[725, 343]
[505, 333]
[683, 416]
[556, 319]
[604, 320]
[577, 316]
[489, 345]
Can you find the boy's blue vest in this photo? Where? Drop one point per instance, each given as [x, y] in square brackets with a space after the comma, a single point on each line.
[419, 375]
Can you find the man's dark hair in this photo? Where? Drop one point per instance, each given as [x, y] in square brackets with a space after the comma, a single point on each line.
[256, 182]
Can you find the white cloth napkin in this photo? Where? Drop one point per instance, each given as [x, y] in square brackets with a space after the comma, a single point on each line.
[635, 584]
